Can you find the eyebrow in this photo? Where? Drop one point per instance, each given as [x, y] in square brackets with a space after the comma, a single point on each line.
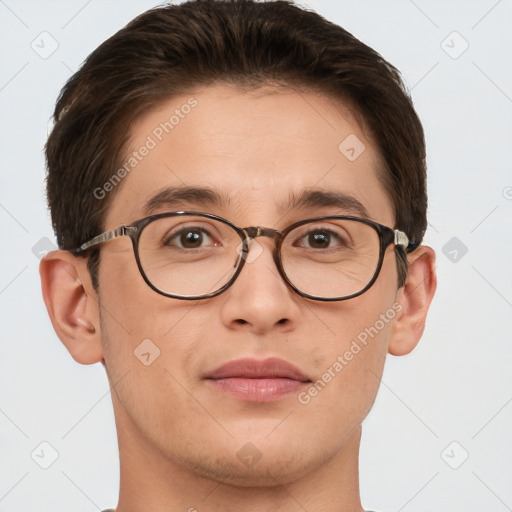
[173, 197]
[316, 198]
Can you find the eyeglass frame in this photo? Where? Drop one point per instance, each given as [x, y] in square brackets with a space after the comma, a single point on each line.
[387, 236]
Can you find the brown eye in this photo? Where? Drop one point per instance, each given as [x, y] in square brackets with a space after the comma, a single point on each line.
[322, 239]
[189, 238]
[319, 240]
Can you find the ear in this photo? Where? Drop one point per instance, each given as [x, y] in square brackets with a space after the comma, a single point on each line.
[72, 305]
[415, 297]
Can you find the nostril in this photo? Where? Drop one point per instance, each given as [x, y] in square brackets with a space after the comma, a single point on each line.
[283, 321]
[241, 321]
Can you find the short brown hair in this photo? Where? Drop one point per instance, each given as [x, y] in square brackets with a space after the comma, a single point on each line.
[170, 50]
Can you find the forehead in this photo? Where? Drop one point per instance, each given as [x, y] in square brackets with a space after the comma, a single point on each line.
[258, 150]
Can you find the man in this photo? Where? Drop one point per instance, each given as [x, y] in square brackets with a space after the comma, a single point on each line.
[269, 169]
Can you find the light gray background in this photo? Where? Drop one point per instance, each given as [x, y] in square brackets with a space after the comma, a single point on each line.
[455, 387]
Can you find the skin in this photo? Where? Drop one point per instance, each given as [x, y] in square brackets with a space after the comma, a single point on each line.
[178, 438]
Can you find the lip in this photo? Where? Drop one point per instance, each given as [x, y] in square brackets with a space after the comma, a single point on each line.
[257, 381]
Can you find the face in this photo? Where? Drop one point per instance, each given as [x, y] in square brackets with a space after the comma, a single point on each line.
[257, 150]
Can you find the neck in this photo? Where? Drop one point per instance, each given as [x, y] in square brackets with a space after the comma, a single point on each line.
[150, 480]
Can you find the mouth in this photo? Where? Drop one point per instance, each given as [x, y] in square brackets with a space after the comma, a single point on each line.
[257, 381]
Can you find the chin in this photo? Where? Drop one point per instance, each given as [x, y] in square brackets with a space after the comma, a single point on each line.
[265, 472]
[242, 462]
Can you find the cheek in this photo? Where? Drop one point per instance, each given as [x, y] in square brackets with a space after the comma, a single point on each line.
[347, 384]
[129, 307]
[353, 356]
[149, 363]
[143, 333]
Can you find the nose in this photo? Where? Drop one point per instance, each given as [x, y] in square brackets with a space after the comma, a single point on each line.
[260, 301]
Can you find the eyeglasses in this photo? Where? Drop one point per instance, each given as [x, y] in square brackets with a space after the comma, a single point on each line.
[193, 255]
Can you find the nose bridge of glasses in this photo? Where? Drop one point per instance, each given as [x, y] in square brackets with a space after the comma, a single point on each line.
[257, 231]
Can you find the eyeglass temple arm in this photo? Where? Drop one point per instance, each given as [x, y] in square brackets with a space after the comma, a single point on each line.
[104, 237]
[402, 239]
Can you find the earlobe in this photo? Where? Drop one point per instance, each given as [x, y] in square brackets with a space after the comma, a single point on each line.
[415, 297]
[72, 305]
